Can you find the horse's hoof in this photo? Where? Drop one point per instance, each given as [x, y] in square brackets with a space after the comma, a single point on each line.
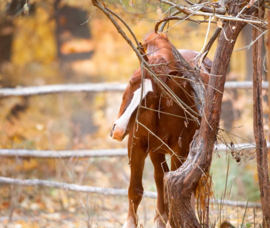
[159, 225]
[168, 225]
[161, 222]
[130, 223]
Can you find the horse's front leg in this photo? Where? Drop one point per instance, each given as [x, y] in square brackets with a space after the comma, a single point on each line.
[135, 191]
[160, 167]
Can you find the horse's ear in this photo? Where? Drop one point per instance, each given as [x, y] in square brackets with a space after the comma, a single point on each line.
[143, 51]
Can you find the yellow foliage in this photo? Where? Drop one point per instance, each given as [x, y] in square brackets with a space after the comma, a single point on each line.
[34, 39]
[27, 165]
[24, 224]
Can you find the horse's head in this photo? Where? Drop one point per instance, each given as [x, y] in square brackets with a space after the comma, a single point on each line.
[133, 95]
[159, 45]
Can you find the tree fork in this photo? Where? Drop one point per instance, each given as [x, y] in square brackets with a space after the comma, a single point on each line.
[181, 183]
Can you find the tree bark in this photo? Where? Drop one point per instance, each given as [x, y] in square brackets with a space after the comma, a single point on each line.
[261, 148]
[181, 183]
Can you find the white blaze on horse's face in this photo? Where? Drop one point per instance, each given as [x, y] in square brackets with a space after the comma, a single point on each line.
[120, 125]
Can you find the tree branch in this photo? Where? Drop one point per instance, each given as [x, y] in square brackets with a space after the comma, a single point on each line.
[195, 12]
[261, 151]
[211, 41]
[170, 18]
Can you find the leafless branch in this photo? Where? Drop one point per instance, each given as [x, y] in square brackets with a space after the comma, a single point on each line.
[211, 41]
[109, 13]
[194, 11]
[261, 151]
[89, 17]
[170, 18]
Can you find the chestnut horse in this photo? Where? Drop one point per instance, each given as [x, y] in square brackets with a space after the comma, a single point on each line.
[162, 126]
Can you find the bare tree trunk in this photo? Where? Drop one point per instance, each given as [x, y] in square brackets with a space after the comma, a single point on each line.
[181, 183]
[261, 148]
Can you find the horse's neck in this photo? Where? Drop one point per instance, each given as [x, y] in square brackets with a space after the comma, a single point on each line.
[182, 89]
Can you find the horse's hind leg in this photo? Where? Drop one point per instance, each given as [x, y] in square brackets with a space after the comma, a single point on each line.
[135, 191]
[160, 166]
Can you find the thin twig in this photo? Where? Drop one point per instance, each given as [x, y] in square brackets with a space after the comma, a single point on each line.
[188, 11]
[89, 17]
[211, 41]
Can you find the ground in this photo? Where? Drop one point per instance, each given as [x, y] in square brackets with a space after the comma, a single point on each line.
[37, 206]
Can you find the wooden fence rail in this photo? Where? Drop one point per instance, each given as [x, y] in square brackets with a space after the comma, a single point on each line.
[98, 153]
[104, 191]
[63, 153]
[94, 87]
[97, 87]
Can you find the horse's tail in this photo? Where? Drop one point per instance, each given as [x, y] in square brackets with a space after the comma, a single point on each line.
[203, 194]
